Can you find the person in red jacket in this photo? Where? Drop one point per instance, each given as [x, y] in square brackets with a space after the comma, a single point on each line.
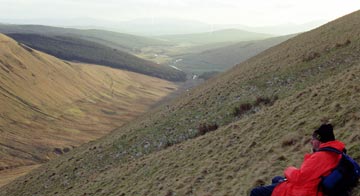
[304, 181]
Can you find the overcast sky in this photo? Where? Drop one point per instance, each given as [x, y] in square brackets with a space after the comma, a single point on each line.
[250, 12]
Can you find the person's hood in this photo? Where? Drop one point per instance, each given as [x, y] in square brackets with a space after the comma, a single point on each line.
[334, 144]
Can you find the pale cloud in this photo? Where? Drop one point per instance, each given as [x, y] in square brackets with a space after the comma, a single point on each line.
[254, 12]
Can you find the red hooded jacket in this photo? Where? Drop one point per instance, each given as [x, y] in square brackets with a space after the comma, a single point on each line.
[305, 180]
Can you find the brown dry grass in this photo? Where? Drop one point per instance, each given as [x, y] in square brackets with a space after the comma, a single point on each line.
[47, 103]
[11, 174]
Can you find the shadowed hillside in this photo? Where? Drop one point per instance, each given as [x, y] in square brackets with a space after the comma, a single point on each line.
[231, 133]
[77, 49]
[49, 106]
[120, 41]
[223, 58]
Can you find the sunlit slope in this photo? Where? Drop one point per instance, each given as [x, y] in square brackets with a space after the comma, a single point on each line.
[49, 106]
[311, 78]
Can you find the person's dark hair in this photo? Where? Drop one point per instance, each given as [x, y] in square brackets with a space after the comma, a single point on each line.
[324, 133]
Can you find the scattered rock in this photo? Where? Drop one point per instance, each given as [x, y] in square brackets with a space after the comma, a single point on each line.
[58, 151]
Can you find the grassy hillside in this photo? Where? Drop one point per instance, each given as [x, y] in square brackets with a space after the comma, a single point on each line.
[120, 41]
[76, 49]
[264, 109]
[228, 35]
[49, 106]
[222, 58]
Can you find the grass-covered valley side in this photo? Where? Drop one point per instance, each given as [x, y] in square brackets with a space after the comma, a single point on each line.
[260, 113]
[82, 50]
[49, 106]
[119, 41]
[222, 58]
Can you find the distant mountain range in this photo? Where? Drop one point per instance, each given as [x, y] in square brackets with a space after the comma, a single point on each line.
[164, 26]
[281, 29]
[227, 35]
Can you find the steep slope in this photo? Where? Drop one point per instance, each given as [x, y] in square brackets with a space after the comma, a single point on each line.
[223, 58]
[312, 78]
[77, 49]
[49, 106]
[227, 35]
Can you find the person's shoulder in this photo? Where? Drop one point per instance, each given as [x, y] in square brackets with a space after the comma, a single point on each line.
[336, 144]
[308, 155]
[315, 156]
